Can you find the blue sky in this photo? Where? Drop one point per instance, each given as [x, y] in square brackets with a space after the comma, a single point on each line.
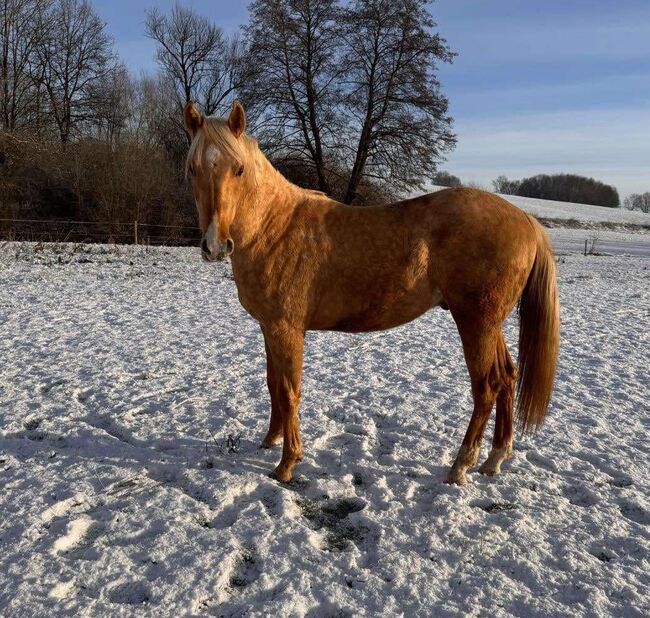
[539, 86]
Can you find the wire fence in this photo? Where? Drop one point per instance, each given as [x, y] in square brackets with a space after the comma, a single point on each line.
[110, 232]
[136, 232]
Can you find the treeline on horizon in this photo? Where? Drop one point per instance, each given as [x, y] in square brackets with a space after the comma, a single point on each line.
[557, 187]
[341, 96]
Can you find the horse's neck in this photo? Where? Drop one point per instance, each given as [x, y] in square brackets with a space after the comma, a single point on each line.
[268, 205]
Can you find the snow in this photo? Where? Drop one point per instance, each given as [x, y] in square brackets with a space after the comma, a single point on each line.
[133, 400]
[607, 242]
[584, 213]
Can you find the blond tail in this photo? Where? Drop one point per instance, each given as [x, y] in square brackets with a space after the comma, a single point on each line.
[539, 336]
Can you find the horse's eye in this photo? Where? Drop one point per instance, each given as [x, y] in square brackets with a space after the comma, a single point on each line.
[240, 170]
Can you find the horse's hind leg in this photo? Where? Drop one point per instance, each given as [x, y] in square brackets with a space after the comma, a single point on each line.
[480, 348]
[502, 439]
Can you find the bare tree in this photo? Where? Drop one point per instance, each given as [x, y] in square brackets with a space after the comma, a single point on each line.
[396, 109]
[502, 184]
[155, 121]
[445, 179]
[74, 53]
[111, 101]
[638, 201]
[196, 57]
[294, 62]
[19, 35]
[153, 107]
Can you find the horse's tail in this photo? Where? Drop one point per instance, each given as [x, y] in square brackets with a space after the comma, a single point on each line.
[539, 335]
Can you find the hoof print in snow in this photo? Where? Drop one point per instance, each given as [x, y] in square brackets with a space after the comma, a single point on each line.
[496, 507]
[621, 482]
[79, 537]
[130, 593]
[541, 461]
[48, 386]
[342, 508]
[634, 512]
[32, 423]
[246, 571]
[581, 496]
[332, 515]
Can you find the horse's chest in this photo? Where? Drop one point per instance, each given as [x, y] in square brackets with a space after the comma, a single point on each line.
[263, 297]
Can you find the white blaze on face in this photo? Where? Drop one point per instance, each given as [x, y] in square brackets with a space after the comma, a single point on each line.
[211, 239]
[212, 243]
[211, 155]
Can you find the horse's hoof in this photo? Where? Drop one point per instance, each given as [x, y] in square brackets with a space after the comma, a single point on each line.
[270, 442]
[456, 477]
[489, 468]
[282, 474]
[492, 465]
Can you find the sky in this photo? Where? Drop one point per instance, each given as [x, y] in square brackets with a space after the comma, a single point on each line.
[538, 86]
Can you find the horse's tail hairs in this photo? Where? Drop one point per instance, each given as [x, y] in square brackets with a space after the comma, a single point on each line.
[539, 336]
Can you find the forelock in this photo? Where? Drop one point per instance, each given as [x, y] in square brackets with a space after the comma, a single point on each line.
[214, 133]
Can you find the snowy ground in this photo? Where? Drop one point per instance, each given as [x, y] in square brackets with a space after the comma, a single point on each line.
[607, 242]
[585, 214]
[133, 399]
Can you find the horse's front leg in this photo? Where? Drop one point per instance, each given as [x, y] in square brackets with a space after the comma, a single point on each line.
[285, 345]
[274, 434]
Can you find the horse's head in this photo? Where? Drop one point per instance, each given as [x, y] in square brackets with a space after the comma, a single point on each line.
[215, 170]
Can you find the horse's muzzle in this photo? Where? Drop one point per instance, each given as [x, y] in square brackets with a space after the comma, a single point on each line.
[221, 253]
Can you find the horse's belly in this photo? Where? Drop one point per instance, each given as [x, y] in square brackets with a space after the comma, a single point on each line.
[388, 312]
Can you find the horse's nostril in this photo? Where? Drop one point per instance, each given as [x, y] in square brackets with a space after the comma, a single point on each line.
[204, 247]
[230, 246]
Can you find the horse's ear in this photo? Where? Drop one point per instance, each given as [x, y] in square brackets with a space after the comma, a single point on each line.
[237, 119]
[193, 118]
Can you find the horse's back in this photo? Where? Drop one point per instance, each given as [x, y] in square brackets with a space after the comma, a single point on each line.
[473, 209]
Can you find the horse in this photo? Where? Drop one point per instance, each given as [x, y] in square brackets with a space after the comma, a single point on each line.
[302, 261]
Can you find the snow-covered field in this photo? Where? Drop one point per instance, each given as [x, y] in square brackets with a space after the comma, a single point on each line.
[133, 399]
[586, 214]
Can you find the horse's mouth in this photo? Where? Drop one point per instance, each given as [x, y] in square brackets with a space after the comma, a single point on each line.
[211, 258]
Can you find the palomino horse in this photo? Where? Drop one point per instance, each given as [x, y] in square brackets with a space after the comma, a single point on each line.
[303, 261]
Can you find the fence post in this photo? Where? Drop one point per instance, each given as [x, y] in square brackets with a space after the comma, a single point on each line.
[135, 231]
[585, 246]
